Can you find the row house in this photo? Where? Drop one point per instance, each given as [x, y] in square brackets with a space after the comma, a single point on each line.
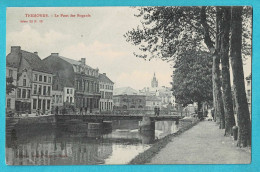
[78, 81]
[33, 81]
[106, 90]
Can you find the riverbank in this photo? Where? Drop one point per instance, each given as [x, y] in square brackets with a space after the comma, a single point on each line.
[204, 143]
[147, 155]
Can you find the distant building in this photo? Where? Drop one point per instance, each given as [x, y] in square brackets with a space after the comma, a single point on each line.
[77, 76]
[106, 90]
[153, 102]
[248, 91]
[34, 81]
[163, 93]
[126, 98]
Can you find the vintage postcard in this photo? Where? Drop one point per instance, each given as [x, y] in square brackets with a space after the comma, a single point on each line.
[128, 85]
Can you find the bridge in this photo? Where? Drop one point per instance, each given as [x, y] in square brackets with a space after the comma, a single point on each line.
[109, 117]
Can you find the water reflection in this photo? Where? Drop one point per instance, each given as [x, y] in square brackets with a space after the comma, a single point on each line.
[60, 147]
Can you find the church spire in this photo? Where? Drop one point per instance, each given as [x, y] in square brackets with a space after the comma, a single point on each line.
[154, 82]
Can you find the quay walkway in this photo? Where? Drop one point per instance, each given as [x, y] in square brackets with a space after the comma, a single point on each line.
[204, 143]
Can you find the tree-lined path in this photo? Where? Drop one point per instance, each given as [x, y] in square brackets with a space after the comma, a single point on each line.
[203, 144]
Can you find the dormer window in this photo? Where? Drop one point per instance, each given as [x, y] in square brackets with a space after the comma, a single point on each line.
[24, 82]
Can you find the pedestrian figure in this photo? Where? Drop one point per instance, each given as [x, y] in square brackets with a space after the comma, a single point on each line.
[212, 112]
[37, 112]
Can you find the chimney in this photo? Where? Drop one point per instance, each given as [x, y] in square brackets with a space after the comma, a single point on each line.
[15, 49]
[83, 61]
[105, 74]
[55, 54]
[36, 52]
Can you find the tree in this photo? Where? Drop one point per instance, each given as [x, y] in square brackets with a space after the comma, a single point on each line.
[192, 78]
[243, 118]
[9, 85]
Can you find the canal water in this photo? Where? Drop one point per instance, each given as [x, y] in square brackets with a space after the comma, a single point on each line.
[57, 146]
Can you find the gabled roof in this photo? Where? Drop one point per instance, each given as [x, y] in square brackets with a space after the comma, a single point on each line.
[62, 70]
[73, 62]
[104, 78]
[125, 90]
[35, 62]
[13, 60]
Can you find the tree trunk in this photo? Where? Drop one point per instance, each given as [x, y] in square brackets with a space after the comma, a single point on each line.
[218, 94]
[243, 118]
[216, 71]
[227, 94]
[200, 113]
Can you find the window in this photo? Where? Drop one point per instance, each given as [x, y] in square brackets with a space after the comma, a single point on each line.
[40, 77]
[57, 98]
[67, 99]
[10, 72]
[45, 78]
[49, 79]
[24, 82]
[28, 94]
[8, 103]
[70, 99]
[92, 86]
[48, 104]
[34, 103]
[35, 89]
[18, 93]
[40, 104]
[53, 98]
[24, 93]
[87, 86]
[40, 90]
[35, 77]
[60, 98]
[49, 91]
[44, 90]
[248, 83]
[68, 91]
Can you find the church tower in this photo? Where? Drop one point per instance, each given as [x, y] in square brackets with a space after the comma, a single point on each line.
[154, 82]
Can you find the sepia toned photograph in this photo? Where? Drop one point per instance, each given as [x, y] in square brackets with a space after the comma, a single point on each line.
[128, 85]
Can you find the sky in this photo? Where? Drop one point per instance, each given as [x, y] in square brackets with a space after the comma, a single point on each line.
[98, 38]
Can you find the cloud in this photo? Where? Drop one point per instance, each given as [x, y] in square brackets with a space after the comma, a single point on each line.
[32, 40]
[96, 54]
